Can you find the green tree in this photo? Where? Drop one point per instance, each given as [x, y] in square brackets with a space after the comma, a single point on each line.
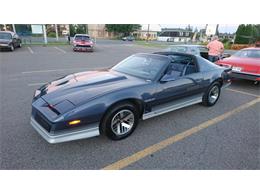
[125, 29]
[247, 34]
[77, 29]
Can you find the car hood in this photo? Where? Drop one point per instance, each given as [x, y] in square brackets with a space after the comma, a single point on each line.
[82, 87]
[236, 61]
[251, 65]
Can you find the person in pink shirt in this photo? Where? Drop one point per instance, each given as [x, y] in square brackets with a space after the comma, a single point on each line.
[216, 48]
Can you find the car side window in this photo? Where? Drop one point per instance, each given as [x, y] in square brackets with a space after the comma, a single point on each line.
[175, 70]
[190, 69]
[180, 65]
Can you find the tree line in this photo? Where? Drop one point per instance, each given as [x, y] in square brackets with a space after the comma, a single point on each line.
[247, 34]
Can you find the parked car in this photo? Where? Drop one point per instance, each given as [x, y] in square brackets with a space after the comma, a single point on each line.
[83, 42]
[111, 101]
[193, 49]
[9, 40]
[245, 64]
[128, 38]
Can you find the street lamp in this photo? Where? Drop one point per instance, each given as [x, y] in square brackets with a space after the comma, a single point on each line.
[147, 35]
[56, 31]
[44, 34]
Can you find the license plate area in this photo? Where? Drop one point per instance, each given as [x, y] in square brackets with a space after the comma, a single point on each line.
[238, 69]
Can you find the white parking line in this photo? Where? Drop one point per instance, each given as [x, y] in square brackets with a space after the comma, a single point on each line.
[30, 50]
[242, 92]
[61, 50]
[35, 84]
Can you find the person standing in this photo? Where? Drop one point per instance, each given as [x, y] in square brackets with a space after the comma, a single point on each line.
[216, 49]
[257, 44]
[68, 38]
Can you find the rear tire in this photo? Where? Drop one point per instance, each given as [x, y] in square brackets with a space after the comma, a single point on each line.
[20, 45]
[212, 94]
[120, 121]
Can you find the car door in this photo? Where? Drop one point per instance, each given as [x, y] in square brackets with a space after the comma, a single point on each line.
[183, 80]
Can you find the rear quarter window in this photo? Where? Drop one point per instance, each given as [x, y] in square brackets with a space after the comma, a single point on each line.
[205, 65]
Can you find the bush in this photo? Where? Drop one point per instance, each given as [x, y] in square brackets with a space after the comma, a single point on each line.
[241, 46]
[51, 34]
[227, 45]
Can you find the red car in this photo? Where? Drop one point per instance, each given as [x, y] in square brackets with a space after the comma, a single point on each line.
[83, 42]
[245, 64]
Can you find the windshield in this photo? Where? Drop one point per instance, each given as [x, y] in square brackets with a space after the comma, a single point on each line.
[142, 65]
[248, 54]
[82, 38]
[5, 36]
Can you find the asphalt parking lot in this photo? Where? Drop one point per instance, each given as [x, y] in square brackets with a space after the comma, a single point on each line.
[225, 136]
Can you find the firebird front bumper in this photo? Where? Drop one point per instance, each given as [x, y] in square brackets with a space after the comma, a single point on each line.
[64, 136]
[83, 47]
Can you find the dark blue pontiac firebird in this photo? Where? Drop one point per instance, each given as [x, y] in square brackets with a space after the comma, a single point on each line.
[111, 101]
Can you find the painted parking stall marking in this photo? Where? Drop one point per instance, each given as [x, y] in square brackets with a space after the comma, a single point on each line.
[163, 144]
[30, 50]
[242, 92]
[35, 84]
[61, 50]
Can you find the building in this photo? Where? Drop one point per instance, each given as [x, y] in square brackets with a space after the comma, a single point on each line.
[148, 31]
[175, 35]
[99, 31]
[227, 36]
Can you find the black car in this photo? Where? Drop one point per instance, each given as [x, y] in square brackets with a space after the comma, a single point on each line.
[9, 40]
[128, 38]
[193, 49]
[112, 101]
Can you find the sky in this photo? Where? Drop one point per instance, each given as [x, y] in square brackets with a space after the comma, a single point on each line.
[228, 28]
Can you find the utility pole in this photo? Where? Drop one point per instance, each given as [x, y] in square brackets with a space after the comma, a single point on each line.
[217, 33]
[44, 34]
[148, 33]
[56, 31]
[14, 30]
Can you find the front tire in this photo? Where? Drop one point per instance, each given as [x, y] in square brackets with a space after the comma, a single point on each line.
[212, 94]
[120, 121]
[12, 47]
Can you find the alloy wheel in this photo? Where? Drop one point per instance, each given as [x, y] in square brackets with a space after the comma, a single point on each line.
[122, 122]
[213, 94]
